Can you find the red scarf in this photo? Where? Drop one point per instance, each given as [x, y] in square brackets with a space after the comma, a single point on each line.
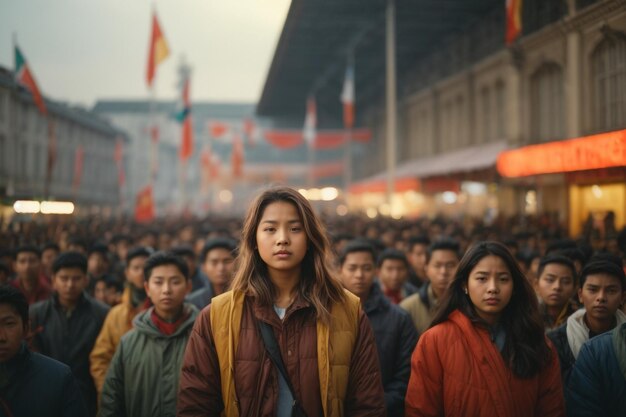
[395, 296]
[167, 328]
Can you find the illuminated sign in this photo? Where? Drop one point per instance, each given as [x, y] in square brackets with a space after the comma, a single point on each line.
[592, 152]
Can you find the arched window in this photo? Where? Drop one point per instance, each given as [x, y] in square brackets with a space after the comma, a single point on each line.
[546, 103]
[608, 63]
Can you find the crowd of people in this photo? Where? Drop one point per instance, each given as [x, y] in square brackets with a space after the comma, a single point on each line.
[289, 313]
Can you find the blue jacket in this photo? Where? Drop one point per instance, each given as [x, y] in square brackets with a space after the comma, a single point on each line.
[396, 338]
[597, 385]
[35, 385]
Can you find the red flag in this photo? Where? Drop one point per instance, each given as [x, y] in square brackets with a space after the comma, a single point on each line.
[218, 129]
[24, 76]
[513, 20]
[186, 147]
[144, 207]
[237, 157]
[79, 158]
[119, 161]
[157, 50]
[347, 98]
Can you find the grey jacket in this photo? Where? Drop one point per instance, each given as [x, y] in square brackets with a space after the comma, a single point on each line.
[143, 377]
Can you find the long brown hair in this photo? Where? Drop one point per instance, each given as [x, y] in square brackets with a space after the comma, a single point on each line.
[317, 284]
[525, 350]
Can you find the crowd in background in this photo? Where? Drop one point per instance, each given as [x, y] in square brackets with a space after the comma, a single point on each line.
[400, 269]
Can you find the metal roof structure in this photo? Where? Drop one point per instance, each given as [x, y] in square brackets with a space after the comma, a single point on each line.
[318, 35]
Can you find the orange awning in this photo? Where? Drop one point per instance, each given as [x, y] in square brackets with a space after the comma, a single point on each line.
[380, 186]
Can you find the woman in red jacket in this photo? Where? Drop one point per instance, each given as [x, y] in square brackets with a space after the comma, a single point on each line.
[485, 353]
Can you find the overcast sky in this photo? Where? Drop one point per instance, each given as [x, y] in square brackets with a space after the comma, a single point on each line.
[84, 50]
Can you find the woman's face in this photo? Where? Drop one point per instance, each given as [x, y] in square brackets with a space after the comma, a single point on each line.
[281, 239]
[490, 287]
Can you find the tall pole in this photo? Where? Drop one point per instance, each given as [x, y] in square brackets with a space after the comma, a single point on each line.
[348, 138]
[391, 100]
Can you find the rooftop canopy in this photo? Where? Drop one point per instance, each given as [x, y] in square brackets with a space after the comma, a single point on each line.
[317, 37]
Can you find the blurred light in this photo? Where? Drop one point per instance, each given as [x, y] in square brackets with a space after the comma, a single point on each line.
[531, 197]
[304, 192]
[396, 215]
[462, 199]
[314, 194]
[597, 191]
[371, 213]
[226, 196]
[57, 207]
[26, 207]
[342, 210]
[449, 197]
[329, 193]
[385, 209]
[474, 188]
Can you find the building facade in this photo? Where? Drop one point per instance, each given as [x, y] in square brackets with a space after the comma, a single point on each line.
[78, 136]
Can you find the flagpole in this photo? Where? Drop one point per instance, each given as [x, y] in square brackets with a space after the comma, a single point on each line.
[391, 101]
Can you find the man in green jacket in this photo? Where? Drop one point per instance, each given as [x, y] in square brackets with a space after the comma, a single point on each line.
[143, 377]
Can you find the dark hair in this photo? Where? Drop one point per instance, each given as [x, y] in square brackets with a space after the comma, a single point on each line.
[70, 260]
[574, 254]
[357, 245]
[118, 238]
[561, 244]
[525, 350]
[391, 254]
[445, 243]
[14, 297]
[183, 250]
[165, 258]
[99, 247]
[137, 252]
[557, 259]
[111, 281]
[601, 265]
[218, 243]
[418, 240]
[77, 241]
[50, 245]
[4, 267]
[27, 248]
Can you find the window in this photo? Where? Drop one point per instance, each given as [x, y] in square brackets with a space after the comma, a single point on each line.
[500, 93]
[546, 103]
[485, 118]
[537, 14]
[609, 81]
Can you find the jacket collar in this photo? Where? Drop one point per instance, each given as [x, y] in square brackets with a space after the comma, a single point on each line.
[376, 300]
[267, 313]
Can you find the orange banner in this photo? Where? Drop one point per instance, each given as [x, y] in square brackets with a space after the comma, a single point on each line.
[592, 152]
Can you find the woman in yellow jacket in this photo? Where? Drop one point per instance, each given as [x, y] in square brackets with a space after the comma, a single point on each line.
[283, 285]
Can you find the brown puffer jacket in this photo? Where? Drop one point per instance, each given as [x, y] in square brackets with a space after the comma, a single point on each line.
[256, 378]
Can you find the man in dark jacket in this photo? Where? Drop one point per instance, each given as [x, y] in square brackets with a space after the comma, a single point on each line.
[597, 386]
[66, 325]
[602, 293]
[218, 257]
[31, 384]
[394, 332]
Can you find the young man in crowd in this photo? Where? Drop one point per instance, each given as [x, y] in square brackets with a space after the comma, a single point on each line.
[442, 259]
[31, 384]
[49, 253]
[555, 287]
[602, 290]
[28, 277]
[66, 325]
[416, 256]
[108, 290]
[143, 377]
[119, 320]
[394, 332]
[218, 264]
[597, 384]
[393, 273]
[198, 280]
